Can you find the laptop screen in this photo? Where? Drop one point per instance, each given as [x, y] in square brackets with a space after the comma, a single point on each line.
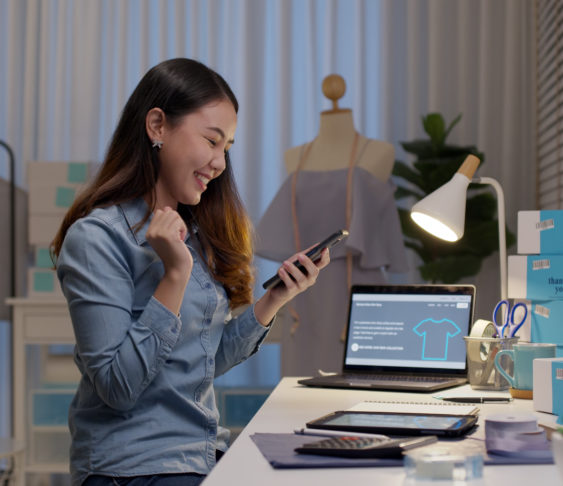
[409, 327]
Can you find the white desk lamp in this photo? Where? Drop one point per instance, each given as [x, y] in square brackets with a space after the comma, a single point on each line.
[442, 213]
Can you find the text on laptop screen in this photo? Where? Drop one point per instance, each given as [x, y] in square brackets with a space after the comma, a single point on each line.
[408, 330]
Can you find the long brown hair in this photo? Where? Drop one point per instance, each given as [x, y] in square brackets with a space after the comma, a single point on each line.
[130, 170]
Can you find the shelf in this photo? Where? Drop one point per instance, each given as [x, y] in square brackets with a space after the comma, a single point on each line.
[49, 428]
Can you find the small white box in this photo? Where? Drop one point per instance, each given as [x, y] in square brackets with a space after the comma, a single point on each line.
[540, 232]
[546, 389]
[43, 228]
[43, 282]
[535, 277]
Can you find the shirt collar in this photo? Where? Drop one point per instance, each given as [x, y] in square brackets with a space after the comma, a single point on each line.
[134, 211]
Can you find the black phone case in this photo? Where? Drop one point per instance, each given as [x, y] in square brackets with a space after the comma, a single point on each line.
[313, 254]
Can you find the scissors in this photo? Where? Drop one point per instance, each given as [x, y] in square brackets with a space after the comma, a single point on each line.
[509, 322]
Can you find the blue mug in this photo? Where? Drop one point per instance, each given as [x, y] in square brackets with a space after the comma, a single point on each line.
[523, 355]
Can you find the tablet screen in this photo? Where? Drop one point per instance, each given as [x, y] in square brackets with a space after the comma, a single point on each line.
[396, 420]
[396, 423]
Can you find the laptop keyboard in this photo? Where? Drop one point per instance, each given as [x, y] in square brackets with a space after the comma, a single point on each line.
[403, 378]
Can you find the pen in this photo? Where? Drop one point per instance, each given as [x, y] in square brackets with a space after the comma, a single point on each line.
[336, 433]
[477, 399]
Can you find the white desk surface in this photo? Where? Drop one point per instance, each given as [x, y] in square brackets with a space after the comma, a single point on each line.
[291, 405]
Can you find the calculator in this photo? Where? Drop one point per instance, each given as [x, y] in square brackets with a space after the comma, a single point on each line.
[355, 446]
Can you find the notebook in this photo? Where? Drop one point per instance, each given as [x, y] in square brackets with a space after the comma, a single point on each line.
[404, 338]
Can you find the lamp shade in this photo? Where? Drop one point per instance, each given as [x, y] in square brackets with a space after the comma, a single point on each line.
[442, 212]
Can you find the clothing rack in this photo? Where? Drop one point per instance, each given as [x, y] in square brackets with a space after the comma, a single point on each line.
[12, 209]
[12, 167]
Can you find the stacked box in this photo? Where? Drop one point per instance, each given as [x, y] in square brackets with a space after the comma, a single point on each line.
[53, 187]
[548, 385]
[540, 232]
[536, 274]
[49, 437]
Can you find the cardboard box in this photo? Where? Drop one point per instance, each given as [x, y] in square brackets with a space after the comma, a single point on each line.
[43, 282]
[535, 277]
[540, 232]
[42, 257]
[545, 319]
[42, 228]
[548, 385]
[53, 199]
[53, 173]
[50, 406]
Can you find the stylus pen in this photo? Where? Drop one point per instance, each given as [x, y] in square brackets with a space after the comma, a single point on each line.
[477, 399]
[336, 433]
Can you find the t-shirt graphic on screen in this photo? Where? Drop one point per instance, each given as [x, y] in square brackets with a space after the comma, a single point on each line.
[439, 334]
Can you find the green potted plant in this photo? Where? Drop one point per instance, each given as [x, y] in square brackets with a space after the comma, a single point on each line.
[435, 164]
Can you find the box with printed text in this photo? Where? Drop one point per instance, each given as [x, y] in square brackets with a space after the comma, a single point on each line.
[538, 277]
[540, 232]
[545, 321]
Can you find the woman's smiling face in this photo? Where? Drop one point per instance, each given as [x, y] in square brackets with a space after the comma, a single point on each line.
[193, 153]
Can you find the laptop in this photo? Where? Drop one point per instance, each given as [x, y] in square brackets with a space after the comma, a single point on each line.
[404, 338]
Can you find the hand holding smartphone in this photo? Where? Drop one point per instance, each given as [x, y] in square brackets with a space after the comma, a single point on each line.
[314, 254]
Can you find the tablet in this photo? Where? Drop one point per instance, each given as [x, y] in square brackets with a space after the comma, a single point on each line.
[396, 423]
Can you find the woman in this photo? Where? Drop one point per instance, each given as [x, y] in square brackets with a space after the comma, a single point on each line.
[152, 257]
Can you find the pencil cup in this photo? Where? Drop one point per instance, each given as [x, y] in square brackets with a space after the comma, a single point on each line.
[481, 370]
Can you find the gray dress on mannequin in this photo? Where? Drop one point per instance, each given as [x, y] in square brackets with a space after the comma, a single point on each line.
[375, 244]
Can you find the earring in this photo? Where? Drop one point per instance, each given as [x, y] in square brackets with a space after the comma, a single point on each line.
[157, 144]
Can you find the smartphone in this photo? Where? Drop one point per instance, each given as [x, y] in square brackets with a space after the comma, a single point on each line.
[396, 423]
[314, 254]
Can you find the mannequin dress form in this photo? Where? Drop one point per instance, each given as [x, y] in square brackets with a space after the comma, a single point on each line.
[331, 148]
[340, 180]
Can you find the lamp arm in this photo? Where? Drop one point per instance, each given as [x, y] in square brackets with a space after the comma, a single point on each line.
[501, 216]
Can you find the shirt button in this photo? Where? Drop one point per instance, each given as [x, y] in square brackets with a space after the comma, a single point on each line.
[207, 321]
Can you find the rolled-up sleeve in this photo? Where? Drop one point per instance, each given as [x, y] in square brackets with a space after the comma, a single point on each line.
[120, 350]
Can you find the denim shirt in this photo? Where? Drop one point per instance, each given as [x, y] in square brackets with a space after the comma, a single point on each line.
[145, 403]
